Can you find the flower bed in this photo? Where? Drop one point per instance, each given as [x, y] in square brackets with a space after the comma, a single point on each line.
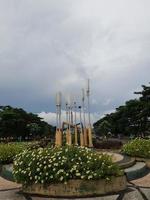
[51, 167]
[48, 165]
[137, 148]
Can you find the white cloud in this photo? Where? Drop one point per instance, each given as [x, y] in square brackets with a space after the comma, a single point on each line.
[50, 117]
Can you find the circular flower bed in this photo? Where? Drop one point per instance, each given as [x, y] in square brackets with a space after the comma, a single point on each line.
[137, 148]
[55, 165]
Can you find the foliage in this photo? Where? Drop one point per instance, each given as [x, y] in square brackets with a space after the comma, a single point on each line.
[104, 129]
[107, 144]
[48, 165]
[9, 151]
[138, 148]
[17, 123]
[39, 144]
[133, 118]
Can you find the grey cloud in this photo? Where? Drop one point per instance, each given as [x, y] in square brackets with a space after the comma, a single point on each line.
[51, 45]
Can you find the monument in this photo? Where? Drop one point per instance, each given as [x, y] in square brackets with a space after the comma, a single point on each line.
[71, 132]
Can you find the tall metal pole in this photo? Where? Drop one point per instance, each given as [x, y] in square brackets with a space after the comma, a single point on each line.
[59, 103]
[89, 118]
[57, 110]
[58, 141]
[75, 124]
[75, 110]
[83, 107]
[84, 123]
[81, 131]
[69, 130]
[88, 101]
[66, 111]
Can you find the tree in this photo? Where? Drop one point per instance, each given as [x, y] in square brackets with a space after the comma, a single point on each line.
[131, 118]
[104, 129]
[15, 122]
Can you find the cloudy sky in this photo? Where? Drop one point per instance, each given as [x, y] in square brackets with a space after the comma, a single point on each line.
[55, 45]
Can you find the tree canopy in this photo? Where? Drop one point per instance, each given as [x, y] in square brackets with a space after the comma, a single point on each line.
[15, 122]
[131, 118]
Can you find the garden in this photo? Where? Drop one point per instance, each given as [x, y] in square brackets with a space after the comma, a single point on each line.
[69, 170]
[67, 166]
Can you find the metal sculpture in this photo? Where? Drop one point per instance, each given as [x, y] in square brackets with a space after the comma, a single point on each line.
[72, 127]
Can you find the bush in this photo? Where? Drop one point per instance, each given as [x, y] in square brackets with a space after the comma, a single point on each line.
[9, 151]
[138, 148]
[49, 165]
[107, 144]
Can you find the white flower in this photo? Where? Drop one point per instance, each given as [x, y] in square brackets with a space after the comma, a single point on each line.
[90, 177]
[78, 174]
[61, 178]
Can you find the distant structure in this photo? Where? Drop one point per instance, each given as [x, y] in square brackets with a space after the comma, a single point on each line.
[71, 132]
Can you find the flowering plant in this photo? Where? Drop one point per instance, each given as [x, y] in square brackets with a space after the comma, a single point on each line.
[49, 165]
[9, 151]
[137, 147]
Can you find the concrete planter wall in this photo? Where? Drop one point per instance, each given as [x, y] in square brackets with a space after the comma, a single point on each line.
[6, 172]
[147, 161]
[79, 188]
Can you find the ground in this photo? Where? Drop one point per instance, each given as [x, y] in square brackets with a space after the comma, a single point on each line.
[138, 189]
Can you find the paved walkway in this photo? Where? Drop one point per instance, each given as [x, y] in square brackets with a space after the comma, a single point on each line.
[138, 189]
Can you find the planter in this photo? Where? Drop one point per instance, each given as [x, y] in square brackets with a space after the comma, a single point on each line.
[79, 188]
[6, 172]
[146, 160]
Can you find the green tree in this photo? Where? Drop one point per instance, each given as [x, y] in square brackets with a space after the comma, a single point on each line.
[104, 129]
[15, 122]
[133, 118]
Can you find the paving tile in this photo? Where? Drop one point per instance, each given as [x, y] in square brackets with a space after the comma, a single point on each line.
[11, 195]
[132, 195]
[144, 181]
[110, 197]
[5, 184]
[146, 192]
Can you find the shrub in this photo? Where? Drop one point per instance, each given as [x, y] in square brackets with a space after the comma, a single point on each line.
[138, 148]
[48, 165]
[9, 151]
[39, 144]
[107, 144]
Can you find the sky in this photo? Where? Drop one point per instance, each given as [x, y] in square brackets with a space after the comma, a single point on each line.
[48, 46]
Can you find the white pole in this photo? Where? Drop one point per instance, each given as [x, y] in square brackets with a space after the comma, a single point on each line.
[75, 117]
[83, 107]
[88, 99]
